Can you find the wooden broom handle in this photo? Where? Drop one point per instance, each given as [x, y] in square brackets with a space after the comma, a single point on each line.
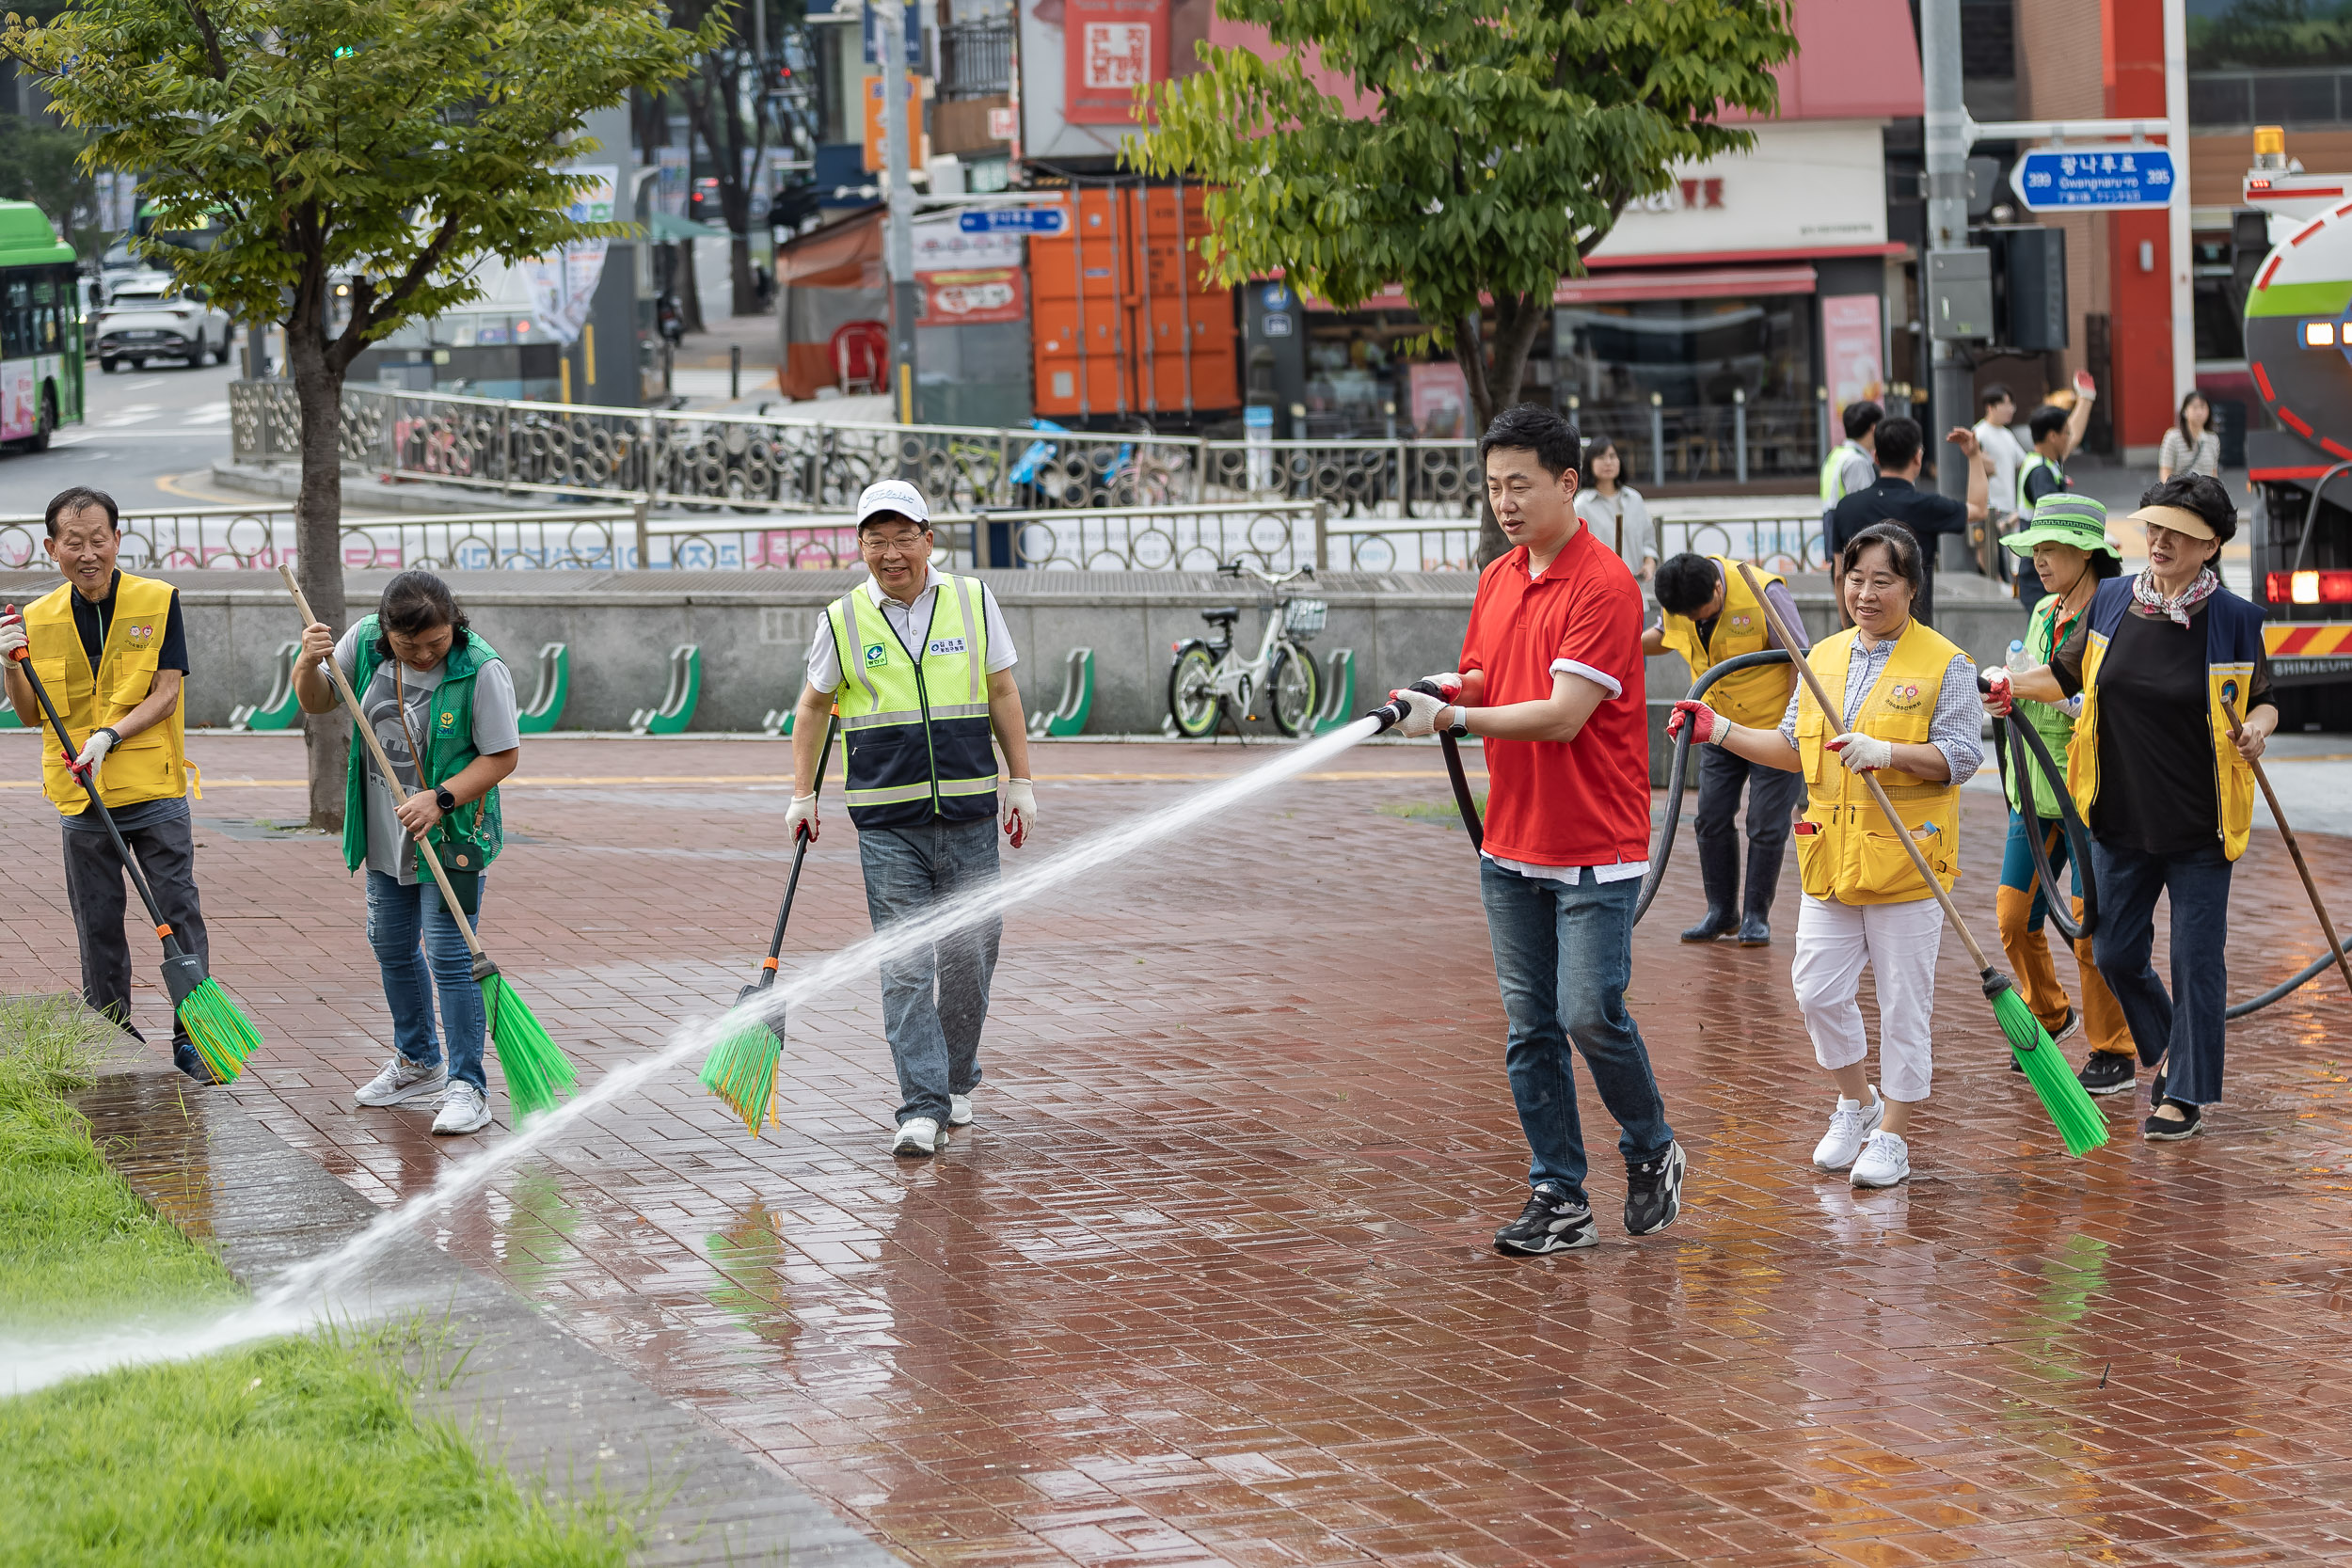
[2229, 709]
[1878, 790]
[376, 749]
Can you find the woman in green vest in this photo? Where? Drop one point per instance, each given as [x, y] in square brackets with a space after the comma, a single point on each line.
[2068, 541]
[430, 687]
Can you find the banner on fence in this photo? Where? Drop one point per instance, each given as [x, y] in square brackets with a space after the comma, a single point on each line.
[563, 285]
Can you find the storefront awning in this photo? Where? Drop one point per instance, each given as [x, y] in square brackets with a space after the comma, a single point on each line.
[1624, 284]
[1703, 283]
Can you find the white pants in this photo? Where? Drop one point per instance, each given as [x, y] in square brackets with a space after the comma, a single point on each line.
[1899, 941]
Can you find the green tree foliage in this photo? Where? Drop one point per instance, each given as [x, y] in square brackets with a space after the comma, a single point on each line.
[2258, 34]
[39, 164]
[346, 145]
[1492, 145]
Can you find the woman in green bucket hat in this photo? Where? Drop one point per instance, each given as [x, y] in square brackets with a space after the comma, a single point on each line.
[2067, 539]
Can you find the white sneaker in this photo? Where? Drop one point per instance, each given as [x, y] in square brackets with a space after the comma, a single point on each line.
[1885, 1162]
[401, 1080]
[959, 1110]
[1849, 1127]
[915, 1135]
[463, 1109]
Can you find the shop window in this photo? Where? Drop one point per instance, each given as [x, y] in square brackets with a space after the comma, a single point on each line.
[1680, 384]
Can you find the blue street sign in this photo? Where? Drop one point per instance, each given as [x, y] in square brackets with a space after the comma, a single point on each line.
[2101, 179]
[1013, 220]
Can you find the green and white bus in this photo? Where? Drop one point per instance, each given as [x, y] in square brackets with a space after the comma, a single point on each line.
[40, 329]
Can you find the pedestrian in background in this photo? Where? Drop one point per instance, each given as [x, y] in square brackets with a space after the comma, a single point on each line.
[1895, 496]
[1996, 435]
[1851, 465]
[2190, 446]
[1615, 511]
[1551, 679]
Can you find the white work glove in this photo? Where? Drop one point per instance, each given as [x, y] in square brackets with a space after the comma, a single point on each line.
[800, 819]
[1863, 753]
[94, 754]
[1707, 726]
[1020, 805]
[13, 638]
[1450, 683]
[1421, 712]
[2000, 694]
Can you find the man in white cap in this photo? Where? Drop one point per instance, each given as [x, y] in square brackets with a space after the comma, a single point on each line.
[919, 665]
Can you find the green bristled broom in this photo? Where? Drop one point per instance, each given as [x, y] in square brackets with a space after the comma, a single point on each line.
[2073, 1112]
[222, 1035]
[741, 1067]
[537, 1072]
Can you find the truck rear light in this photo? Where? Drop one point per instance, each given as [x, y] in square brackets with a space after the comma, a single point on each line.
[2307, 587]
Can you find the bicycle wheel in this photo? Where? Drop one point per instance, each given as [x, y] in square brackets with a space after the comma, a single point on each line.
[1297, 686]
[1192, 699]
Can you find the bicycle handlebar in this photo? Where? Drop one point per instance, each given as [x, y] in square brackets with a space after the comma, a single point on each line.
[1237, 568]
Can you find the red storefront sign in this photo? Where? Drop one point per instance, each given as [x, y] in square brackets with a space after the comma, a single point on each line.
[969, 298]
[1109, 48]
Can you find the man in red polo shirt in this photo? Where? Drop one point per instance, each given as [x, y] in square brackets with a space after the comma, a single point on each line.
[1552, 680]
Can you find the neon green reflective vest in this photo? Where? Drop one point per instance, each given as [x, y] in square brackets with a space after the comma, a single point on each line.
[915, 720]
[469, 837]
[1833, 472]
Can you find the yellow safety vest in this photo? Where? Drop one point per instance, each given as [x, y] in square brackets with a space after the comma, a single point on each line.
[1845, 849]
[1756, 698]
[914, 723]
[149, 766]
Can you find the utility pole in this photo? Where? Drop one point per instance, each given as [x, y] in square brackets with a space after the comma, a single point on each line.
[1951, 382]
[2176, 217]
[898, 236]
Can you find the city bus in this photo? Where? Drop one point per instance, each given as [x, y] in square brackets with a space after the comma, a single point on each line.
[40, 329]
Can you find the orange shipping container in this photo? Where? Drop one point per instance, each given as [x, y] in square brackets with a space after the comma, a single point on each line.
[1124, 321]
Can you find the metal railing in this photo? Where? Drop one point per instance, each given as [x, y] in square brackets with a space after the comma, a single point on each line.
[975, 59]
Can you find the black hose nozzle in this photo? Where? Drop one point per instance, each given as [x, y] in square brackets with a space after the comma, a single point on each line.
[1391, 712]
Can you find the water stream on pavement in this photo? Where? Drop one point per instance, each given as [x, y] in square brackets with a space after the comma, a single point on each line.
[306, 1293]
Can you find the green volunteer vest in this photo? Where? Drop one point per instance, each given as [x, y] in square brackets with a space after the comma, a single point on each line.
[448, 747]
[1832, 491]
[2034, 460]
[914, 722]
[2050, 723]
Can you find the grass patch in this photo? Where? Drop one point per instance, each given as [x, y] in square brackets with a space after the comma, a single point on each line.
[297, 1452]
[1444, 813]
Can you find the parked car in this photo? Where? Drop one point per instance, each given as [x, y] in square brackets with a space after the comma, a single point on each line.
[153, 317]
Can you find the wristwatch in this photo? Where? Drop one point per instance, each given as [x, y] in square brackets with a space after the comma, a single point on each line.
[443, 799]
[1459, 729]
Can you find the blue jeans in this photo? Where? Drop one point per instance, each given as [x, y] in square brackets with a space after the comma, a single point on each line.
[1564, 956]
[2187, 1022]
[397, 917]
[935, 998]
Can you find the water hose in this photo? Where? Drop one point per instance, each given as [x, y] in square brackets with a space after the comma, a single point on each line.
[1679, 772]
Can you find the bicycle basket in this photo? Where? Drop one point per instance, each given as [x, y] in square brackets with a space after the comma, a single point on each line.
[1303, 618]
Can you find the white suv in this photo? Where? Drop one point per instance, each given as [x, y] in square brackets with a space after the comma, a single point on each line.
[152, 317]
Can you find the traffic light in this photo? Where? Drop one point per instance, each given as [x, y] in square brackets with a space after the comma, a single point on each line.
[2029, 264]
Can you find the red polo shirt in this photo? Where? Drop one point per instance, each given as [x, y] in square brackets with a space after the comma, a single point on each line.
[1583, 801]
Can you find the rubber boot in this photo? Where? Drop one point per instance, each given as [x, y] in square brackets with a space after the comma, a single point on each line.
[1756, 924]
[1719, 874]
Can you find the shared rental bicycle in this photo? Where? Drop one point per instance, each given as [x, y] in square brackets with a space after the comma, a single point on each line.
[1211, 683]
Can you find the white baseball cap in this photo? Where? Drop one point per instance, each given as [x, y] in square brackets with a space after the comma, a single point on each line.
[893, 495]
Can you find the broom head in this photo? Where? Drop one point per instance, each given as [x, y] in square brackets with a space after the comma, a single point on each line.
[218, 1029]
[537, 1072]
[2073, 1112]
[742, 1069]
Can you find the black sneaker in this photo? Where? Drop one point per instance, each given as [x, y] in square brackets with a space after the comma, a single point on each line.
[2108, 1072]
[1550, 1223]
[1653, 1191]
[2164, 1130]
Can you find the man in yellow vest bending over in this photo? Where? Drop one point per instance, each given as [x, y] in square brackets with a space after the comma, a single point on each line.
[112, 649]
[919, 665]
[1708, 616]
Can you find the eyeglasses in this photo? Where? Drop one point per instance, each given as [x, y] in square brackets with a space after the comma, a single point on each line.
[876, 543]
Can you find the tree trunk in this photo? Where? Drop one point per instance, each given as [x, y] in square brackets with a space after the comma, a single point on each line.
[689, 292]
[739, 270]
[319, 563]
[1495, 383]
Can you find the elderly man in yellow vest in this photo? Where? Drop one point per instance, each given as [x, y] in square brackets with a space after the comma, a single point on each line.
[112, 649]
[919, 665]
[1708, 618]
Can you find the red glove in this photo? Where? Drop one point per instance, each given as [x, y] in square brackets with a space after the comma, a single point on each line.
[2000, 694]
[1707, 726]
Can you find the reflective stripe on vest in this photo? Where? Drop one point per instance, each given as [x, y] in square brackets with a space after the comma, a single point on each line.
[1849, 852]
[149, 766]
[915, 721]
[1756, 698]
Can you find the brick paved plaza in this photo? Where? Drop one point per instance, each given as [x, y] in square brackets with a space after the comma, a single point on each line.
[1208, 1281]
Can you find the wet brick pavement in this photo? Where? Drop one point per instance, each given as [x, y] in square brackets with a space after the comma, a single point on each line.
[1208, 1281]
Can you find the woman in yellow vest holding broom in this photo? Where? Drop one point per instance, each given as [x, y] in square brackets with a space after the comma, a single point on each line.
[1909, 714]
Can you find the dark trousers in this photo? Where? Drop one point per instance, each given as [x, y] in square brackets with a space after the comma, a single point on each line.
[97, 889]
[1772, 797]
[2186, 1023]
[935, 998]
